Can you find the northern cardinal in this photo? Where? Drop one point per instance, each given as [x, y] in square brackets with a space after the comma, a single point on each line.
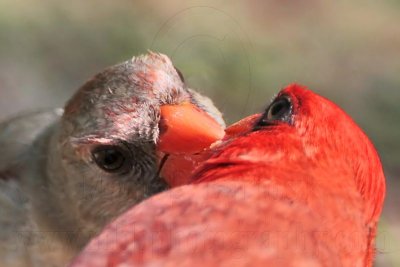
[299, 185]
[65, 174]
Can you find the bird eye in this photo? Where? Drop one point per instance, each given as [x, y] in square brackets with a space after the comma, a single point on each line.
[110, 158]
[279, 110]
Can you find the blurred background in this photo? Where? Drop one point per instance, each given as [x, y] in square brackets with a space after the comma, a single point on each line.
[238, 53]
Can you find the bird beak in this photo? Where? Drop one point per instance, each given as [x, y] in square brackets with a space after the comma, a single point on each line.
[241, 127]
[191, 131]
[186, 129]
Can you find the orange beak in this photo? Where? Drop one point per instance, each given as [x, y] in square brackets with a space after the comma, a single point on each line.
[243, 126]
[185, 128]
[186, 135]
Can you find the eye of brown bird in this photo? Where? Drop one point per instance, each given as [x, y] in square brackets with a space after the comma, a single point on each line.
[110, 158]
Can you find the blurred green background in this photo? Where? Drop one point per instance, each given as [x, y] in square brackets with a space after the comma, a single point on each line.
[238, 53]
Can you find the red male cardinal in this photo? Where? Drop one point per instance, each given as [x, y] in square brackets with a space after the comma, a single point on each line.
[64, 175]
[300, 185]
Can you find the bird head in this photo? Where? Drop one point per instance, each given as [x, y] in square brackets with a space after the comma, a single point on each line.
[303, 142]
[116, 130]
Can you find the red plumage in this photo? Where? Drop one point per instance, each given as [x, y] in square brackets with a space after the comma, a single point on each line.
[304, 188]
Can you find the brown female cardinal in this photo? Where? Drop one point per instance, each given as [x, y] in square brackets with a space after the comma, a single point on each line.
[299, 185]
[65, 174]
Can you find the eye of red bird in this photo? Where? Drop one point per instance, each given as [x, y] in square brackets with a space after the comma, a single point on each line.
[111, 158]
[280, 110]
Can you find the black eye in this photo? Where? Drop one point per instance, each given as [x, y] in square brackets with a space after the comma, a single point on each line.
[110, 158]
[279, 110]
